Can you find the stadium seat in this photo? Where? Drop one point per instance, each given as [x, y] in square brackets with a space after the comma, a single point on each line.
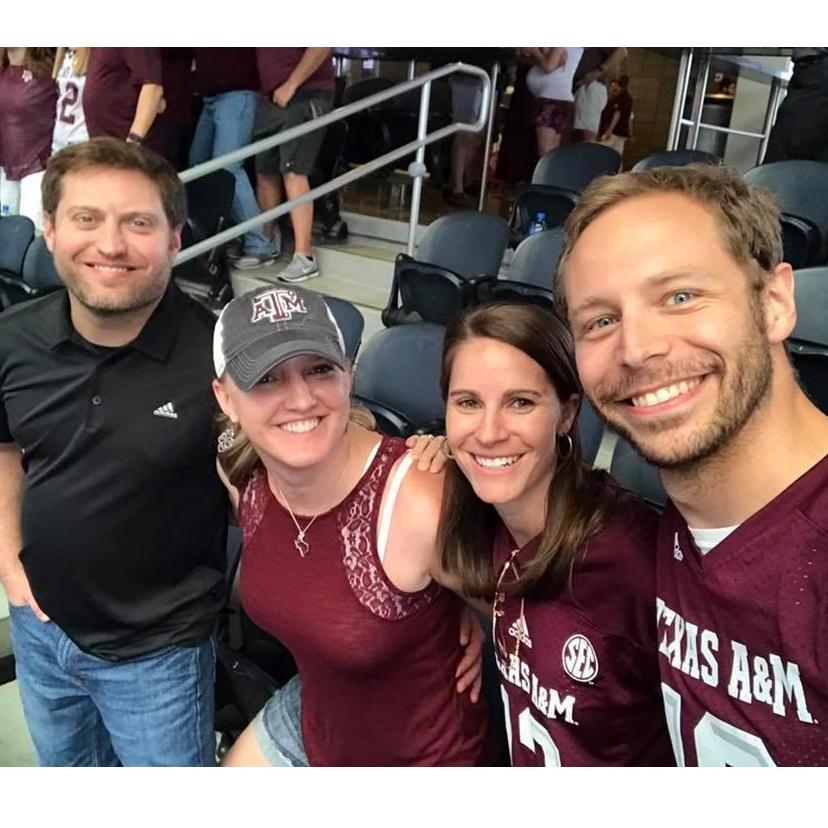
[397, 379]
[209, 205]
[455, 250]
[39, 267]
[536, 258]
[351, 322]
[16, 234]
[800, 188]
[808, 344]
[508, 290]
[675, 158]
[590, 428]
[558, 179]
[634, 473]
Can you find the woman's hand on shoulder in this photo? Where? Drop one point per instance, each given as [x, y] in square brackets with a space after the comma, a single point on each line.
[428, 452]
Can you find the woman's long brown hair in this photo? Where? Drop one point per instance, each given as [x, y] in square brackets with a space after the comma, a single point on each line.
[580, 500]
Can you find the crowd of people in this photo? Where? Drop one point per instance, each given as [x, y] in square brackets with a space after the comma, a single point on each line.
[52, 98]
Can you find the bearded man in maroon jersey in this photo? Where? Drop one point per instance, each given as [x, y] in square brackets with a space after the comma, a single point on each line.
[680, 305]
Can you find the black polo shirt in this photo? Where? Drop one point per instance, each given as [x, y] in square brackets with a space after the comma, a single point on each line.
[124, 517]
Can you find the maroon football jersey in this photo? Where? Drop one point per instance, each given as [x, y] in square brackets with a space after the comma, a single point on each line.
[743, 634]
[377, 664]
[27, 118]
[275, 66]
[583, 688]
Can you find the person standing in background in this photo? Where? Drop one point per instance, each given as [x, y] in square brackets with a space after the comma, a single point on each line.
[124, 94]
[69, 73]
[27, 116]
[228, 81]
[616, 119]
[596, 67]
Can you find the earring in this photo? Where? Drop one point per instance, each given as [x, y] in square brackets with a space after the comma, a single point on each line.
[565, 455]
[445, 450]
[227, 438]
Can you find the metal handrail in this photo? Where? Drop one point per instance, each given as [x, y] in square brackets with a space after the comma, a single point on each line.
[416, 169]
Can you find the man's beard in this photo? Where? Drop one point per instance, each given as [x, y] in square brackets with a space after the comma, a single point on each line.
[744, 386]
[141, 296]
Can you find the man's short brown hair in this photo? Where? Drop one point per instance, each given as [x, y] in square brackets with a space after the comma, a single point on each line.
[747, 216]
[111, 152]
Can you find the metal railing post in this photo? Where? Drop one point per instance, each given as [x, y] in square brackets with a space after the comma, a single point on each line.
[698, 99]
[484, 176]
[416, 169]
[412, 69]
[682, 82]
[770, 117]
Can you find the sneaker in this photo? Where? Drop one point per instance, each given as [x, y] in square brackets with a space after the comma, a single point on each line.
[300, 269]
[252, 261]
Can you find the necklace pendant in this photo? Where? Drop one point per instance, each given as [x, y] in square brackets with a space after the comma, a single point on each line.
[301, 544]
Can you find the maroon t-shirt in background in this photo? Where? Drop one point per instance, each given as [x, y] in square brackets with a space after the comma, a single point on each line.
[27, 120]
[744, 634]
[583, 689]
[219, 70]
[114, 78]
[275, 66]
[377, 664]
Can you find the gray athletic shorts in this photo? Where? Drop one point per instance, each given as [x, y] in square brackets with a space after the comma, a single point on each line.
[297, 156]
[278, 727]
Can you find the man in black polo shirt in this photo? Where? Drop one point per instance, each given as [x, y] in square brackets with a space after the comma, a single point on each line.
[112, 516]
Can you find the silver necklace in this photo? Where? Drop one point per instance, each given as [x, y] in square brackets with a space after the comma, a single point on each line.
[302, 546]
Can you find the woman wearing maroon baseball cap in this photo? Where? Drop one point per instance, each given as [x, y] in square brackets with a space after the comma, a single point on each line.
[339, 554]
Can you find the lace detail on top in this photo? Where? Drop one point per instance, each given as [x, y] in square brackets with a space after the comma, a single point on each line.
[253, 503]
[358, 526]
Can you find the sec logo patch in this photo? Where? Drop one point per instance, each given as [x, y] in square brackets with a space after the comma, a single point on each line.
[579, 659]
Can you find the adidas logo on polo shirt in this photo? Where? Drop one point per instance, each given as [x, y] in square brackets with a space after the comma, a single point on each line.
[166, 410]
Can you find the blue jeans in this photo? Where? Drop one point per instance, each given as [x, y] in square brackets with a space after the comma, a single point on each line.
[84, 711]
[226, 124]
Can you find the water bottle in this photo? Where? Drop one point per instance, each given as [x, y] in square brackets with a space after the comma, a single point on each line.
[537, 225]
[4, 210]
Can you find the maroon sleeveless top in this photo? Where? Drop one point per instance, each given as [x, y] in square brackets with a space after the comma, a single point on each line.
[377, 664]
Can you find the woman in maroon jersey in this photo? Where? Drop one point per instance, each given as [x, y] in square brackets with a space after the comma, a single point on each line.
[567, 558]
[27, 116]
[339, 553]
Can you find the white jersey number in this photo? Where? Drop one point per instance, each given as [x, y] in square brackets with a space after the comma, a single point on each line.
[718, 744]
[531, 733]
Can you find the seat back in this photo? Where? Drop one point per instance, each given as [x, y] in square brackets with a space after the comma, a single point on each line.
[351, 322]
[574, 166]
[399, 369]
[800, 187]
[507, 290]
[536, 258]
[590, 428]
[16, 234]
[209, 202]
[39, 267]
[634, 473]
[468, 243]
[808, 343]
[555, 203]
[800, 242]
[675, 158]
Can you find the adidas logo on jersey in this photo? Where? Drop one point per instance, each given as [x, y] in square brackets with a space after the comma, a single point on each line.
[166, 410]
[677, 553]
[520, 631]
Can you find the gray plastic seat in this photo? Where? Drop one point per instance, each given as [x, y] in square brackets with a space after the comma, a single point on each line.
[39, 267]
[573, 167]
[801, 188]
[536, 258]
[675, 158]
[397, 377]
[16, 234]
[634, 473]
[467, 243]
[808, 343]
[351, 322]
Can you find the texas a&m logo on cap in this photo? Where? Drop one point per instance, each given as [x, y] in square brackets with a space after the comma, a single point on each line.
[277, 305]
[579, 659]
